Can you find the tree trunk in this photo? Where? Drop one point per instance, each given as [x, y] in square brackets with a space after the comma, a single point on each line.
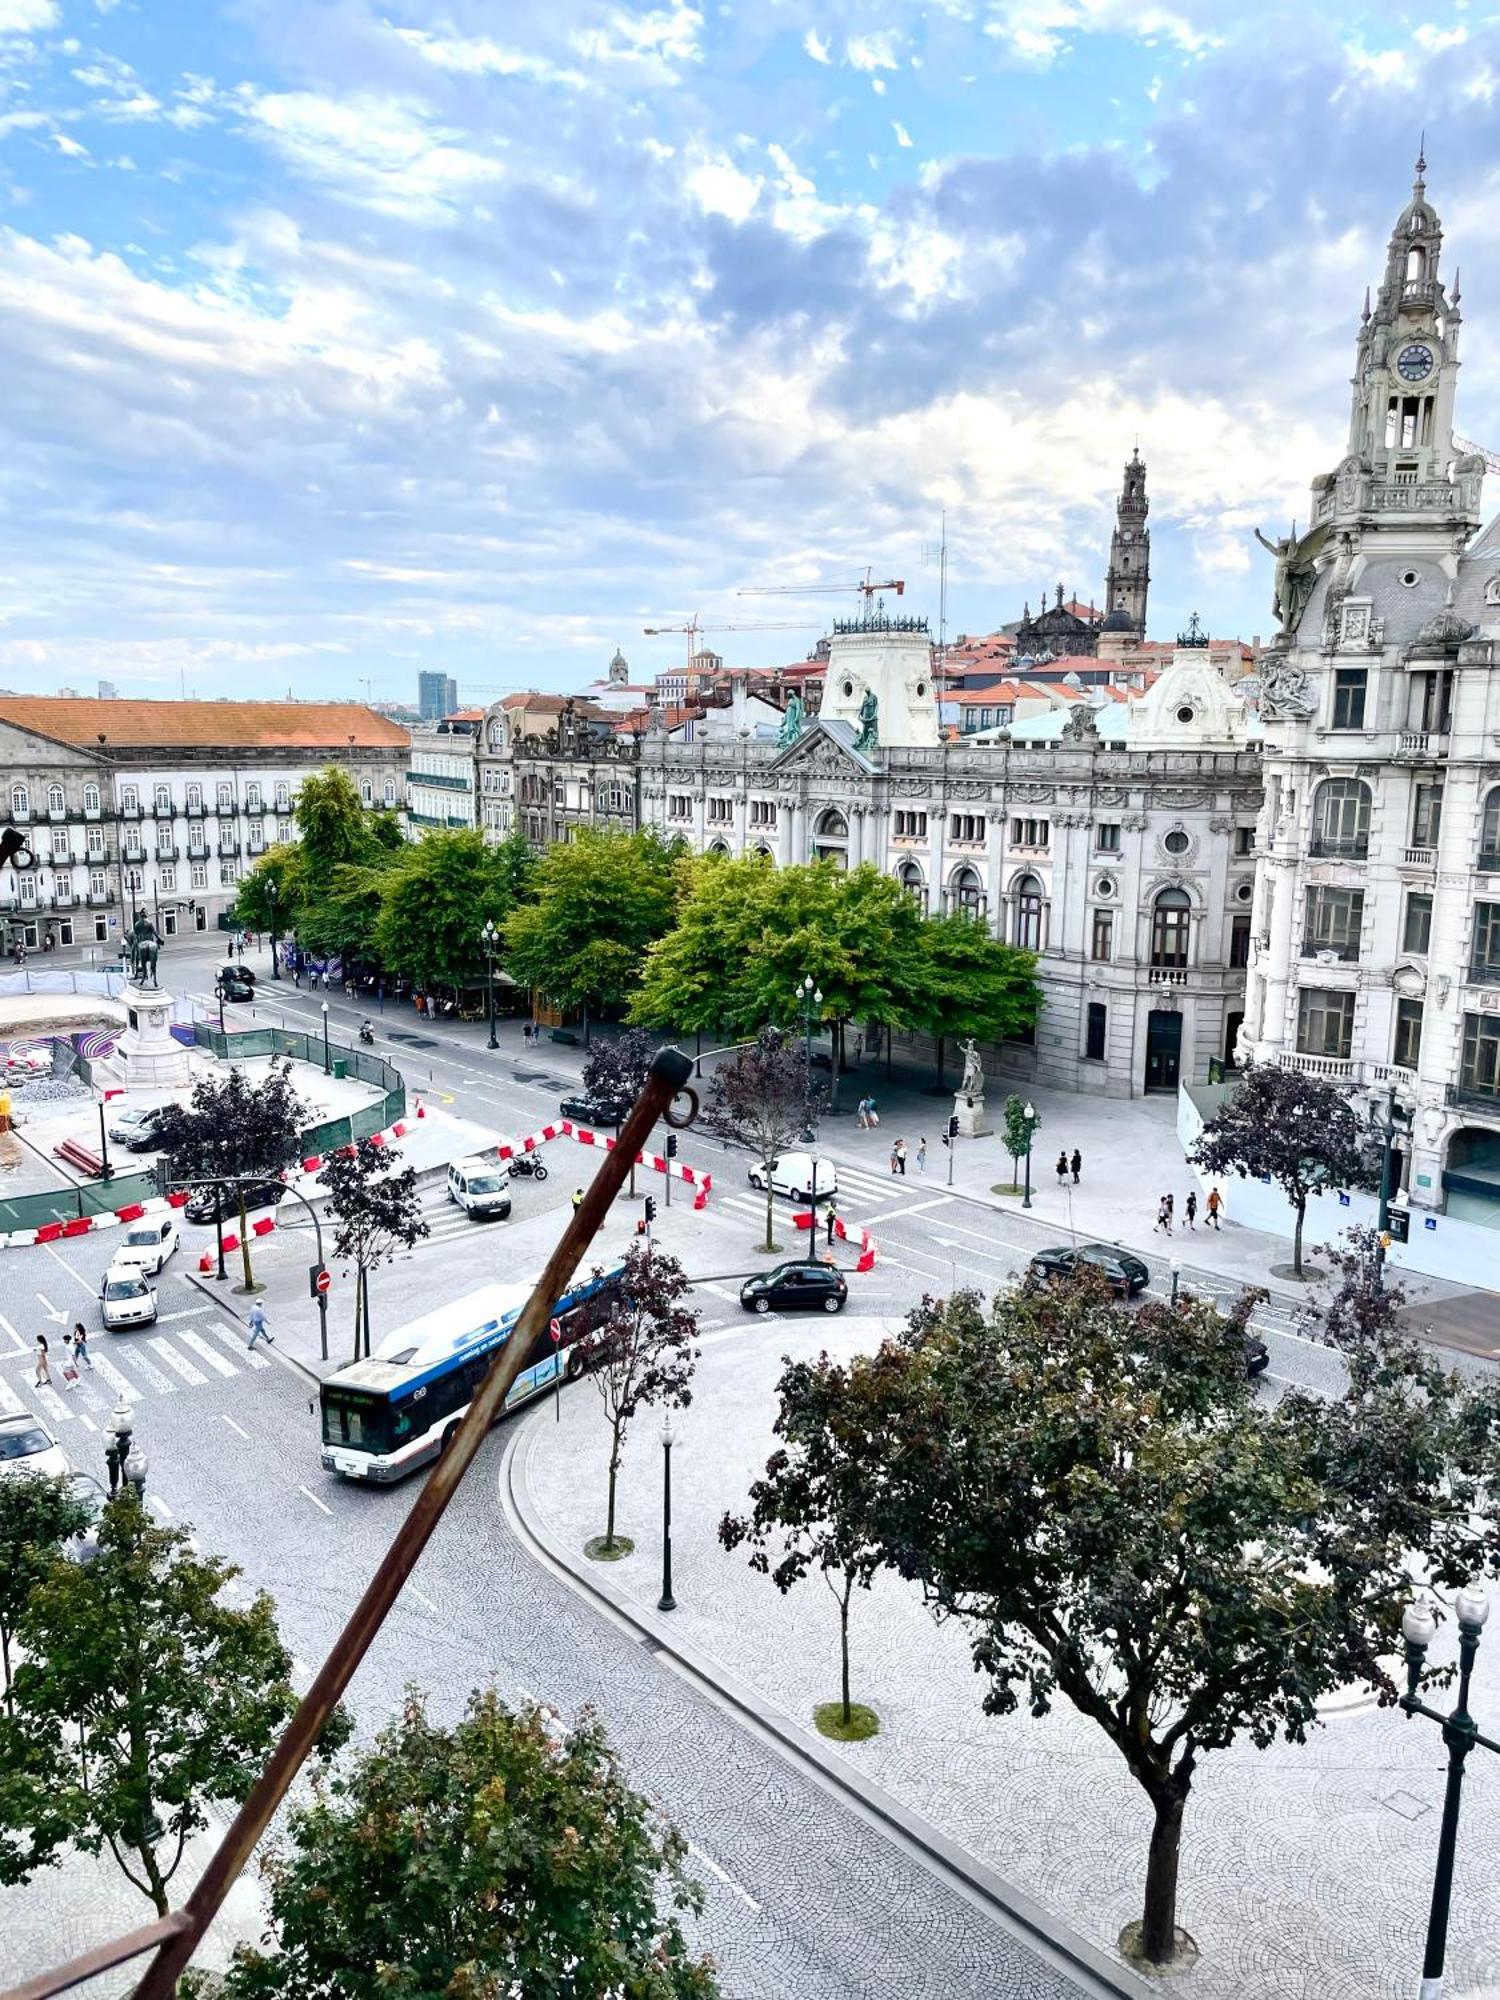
[770, 1242]
[364, 1293]
[1297, 1236]
[844, 1652]
[1159, 1918]
[614, 1467]
[157, 1890]
[10, 1700]
[940, 1049]
[245, 1243]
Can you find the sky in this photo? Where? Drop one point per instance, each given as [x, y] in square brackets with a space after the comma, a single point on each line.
[343, 338]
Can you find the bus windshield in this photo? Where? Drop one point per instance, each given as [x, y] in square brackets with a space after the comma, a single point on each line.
[356, 1418]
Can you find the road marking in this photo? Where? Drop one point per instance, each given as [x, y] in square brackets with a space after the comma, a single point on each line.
[178, 1363]
[158, 1506]
[235, 1427]
[87, 1421]
[10, 1403]
[206, 1353]
[315, 1500]
[162, 1319]
[151, 1372]
[51, 1310]
[20, 1345]
[52, 1403]
[421, 1596]
[900, 1214]
[121, 1384]
[724, 1876]
[233, 1339]
[63, 1265]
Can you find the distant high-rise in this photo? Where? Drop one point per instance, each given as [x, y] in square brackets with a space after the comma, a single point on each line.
[108, 691]
[437, 696]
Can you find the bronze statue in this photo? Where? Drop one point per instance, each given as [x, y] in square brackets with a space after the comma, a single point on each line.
[869, 713]
[1295, 577]
[791, 722]
[141, 948]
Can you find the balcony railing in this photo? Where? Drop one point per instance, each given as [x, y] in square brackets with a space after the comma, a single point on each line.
[57, 814]
[1483, 972]
[1397, 1073]
[228, 847]
[1475, 1096]
[195, 809]
[197, 850]
[1419, 857]
[93, 812]
[166, 850]
[20, 815]
[1421, 746]
[100, 898]
[65, 899]
[130, 809]
[133, 851]
[1336, 847]
[1168, 975]
[1345, 954]
[255, 847]
[1340, 1068]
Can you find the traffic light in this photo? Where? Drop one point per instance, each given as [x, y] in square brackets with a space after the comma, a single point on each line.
[953, 1126]
[650, 1209]
[671, 1145]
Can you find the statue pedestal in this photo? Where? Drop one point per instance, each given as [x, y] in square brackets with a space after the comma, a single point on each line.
[969, 1111]
[149, 1059]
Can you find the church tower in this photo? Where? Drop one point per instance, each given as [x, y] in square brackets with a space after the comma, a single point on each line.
[1129, 575]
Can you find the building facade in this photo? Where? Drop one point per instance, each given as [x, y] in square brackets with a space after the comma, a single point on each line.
[437, 695]
[164, 804]
[1377, 915]
[441, 793]
[1128, 867]
[547, 764]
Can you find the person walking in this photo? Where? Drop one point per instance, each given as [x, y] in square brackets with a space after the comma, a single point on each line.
[577, 1199]
[861, 1117]
[830, 1219]
[1213, 1205]
[1163, 1217]
[255, 1319]
[921, 1156]
[901, 1158]
[870, 1112]
[1190, 1210]
[1062, 1170]
[894, 1151]
[81, 1353]
[43, 1370]
[1076, 1165]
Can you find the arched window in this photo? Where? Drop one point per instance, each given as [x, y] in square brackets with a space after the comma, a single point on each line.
[20, 801]
[91, 798]
[1341, 819]
[1029, 913]
[495, 733]
[966, 892]
[1171, 925]
[718, 847]
[390, 791]
[909, 875]
[367, 791]
[54, 798]
[1489, 832]
[1416, 263]
[831, 837]
[833, 826]
[130, 798]
[195, 798]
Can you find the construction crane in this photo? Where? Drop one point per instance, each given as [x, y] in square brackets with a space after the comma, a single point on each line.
[696, 626]
[895, 583]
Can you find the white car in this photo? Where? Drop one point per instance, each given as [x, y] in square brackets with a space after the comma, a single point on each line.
[148, 1244]
[127, 1297]
[801, 1176]
[26, 1445]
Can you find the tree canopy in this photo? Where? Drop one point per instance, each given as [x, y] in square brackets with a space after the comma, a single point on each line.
[599, 902]
[36, 1517]
[762, 1097]
[434, 901]
[232, 1127]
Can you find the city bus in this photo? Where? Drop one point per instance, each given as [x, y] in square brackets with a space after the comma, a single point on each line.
[385, 1416]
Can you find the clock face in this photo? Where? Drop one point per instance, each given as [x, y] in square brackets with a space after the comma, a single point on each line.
[1414, 363]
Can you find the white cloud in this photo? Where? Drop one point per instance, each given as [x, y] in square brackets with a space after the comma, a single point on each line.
[816, 47]
[70, 147]
[877, 84]
[25, 17]
[903, 137]
[379, 151]
[477, 55]
[1038, 32]
[1387, 68]
[719, 187]
[660, 37]
[1429, 36]
[877, 51]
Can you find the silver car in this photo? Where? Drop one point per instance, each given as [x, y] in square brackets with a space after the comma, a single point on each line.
[127, 1298]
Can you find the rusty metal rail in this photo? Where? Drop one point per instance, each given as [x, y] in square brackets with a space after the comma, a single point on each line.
[176, 1937]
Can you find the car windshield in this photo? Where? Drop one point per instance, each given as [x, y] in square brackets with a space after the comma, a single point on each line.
[485, 1184]
[142, 1239]
[125, 1288]
[24, 1443]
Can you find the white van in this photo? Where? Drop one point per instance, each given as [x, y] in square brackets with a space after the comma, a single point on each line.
[481, 1188]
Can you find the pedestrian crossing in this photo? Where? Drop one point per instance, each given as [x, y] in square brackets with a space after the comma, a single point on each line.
[864, 1198]
[130, 1368]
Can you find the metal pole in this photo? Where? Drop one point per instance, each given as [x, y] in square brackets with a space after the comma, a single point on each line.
[493, 1043]
[666, 1602]
[1458, 1734]
[1026, 1198]
[952, 1149]
[669, 1072]
[327, 1059]
[104, 1167]
[1387, 1157]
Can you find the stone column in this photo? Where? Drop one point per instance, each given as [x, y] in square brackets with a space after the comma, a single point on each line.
[1275, 1032]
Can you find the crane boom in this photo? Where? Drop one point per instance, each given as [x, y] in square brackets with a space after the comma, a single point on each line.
[895, 583]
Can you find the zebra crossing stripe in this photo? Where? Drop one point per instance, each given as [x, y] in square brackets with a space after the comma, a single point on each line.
[10, 1403]
[204, 1352]
[53, 1404]
[149, 1369]
[121, 1384]
[232, 1340]
[178, 1363]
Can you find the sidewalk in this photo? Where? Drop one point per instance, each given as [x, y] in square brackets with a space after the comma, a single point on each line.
[1305, 1871]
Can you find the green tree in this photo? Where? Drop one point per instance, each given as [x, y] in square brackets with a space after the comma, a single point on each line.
[1300, 1131]
[338, 920]
[333, 827]
[235, 1129]
[36, 1517]
[142, 1698]
[1101, 1500]
[502, 1855]
[692, 977]
[435, 901]
[376, 1211]
[973, 984]
[810, 1505]
[762, 1097]
[1019, 1132]
[637, 1338]
[315, 896]
[600, 902]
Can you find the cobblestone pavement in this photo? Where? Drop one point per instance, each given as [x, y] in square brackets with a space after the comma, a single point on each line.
[1306, 1871]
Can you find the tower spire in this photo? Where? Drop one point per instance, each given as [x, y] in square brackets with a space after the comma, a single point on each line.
[1128, 579]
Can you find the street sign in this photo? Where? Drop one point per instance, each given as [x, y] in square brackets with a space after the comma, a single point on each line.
[319, 1280]
[555, 1329]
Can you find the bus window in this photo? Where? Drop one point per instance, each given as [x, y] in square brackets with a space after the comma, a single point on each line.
[353, 1418]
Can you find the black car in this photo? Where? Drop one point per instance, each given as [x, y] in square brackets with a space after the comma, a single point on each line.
[594, 1111]
[799, 1287]
[235, 985]
[1124, 1273]
[202, 1204]
[241, 973]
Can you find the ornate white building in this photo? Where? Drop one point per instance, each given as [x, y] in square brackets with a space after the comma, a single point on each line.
[1377, 915]
[1126, 861]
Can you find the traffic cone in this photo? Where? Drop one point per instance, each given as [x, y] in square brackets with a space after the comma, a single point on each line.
[421, 1109]
[205, 1262]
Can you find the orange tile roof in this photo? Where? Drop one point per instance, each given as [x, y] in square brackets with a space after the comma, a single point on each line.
[205, 725]
[986, 696]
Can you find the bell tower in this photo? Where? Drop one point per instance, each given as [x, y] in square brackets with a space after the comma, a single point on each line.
[1128, 578]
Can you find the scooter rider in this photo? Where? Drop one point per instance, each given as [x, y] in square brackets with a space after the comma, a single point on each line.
[367, 1030]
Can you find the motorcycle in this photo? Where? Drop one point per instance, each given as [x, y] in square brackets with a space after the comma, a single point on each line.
[366, 1033]
[526, 1167]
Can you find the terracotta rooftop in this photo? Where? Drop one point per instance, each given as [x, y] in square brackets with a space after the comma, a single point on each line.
[206, 725]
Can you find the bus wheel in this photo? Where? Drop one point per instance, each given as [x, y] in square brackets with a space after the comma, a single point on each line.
[448, 1436]
[574, 1366]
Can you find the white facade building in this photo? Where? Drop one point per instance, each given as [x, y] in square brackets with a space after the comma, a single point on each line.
[1377, 916]
[441, 793]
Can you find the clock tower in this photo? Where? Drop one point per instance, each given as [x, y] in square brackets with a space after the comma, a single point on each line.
[1128, 578]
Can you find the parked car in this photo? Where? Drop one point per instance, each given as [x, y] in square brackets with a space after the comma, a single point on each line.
[594, 1110]
[136, 1126]
[149, 1243]
[1124, 1272]
[803, 1286]
[127, 1297]
[801, 1176]
[89, 1494]
[481, 1188]
[202, 1204]
[26, 1445]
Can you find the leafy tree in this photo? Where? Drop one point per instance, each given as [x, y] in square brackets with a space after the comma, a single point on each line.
[762, 1096]
[973, 984]
[435, 902]
[143, 1696]
[377, 1213]
[233, 1128]
[333, 826]
[315, 895]
[1100, 1498]
[503, 1855]
[692, 977]
[36, 1517]
[615, 1072]
[1299, 1130]
[811, 1502]
[639, 1342]
[339, 919]
[600, 902]
[252, 901]
[1019, 1132]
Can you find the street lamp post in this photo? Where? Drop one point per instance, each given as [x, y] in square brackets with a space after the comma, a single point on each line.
[1030, 1115]
[490, 936]
[666, 1602]
[1395, 1120]
[106, 1172]
[1418, 1626]
[117, 1426]
[327, 1061]
[273, 896]
[1176, 1277]
[811, 997]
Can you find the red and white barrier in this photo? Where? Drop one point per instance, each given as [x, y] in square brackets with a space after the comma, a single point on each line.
[805, 1219]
